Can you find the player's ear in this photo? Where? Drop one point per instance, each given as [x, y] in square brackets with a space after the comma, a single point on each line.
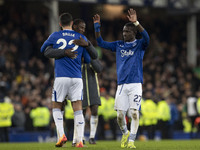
[74, 26]
[60, 25]
[71, 23]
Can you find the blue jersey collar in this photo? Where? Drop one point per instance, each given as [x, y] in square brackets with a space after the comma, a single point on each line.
[131, 42]
[68, 30]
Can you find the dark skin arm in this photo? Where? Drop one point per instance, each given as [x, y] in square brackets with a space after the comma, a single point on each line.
[96, 19]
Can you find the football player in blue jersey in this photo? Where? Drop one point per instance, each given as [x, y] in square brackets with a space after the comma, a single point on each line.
[91, 96]
[68, 77]
[129, 57]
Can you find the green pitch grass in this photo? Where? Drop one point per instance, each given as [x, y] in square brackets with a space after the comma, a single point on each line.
[109, 145]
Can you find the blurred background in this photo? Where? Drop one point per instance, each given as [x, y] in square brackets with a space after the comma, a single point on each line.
[171, 89]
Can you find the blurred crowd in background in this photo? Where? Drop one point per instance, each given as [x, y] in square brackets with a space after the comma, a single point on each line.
[26, 76]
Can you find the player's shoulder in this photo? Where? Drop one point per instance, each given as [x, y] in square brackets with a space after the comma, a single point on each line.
[83, 36]
[54, 34]
[119, 42]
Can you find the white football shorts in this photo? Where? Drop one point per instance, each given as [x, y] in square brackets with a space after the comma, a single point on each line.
[70, 88]
[128, 96]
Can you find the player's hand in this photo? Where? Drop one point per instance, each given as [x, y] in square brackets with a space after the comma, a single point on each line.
[96, 19]
[80, 42]
[132, 16]
[71, 54]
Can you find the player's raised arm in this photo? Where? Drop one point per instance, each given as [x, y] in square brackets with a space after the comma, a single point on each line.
[96, 20]
[104, 44]
[132, 16]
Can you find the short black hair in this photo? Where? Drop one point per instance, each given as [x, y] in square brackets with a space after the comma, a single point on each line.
[65, 19]
[133, 27]
[78, 21]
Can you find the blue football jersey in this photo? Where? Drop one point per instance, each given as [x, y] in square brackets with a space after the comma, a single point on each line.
[67, 67]
[129, 57]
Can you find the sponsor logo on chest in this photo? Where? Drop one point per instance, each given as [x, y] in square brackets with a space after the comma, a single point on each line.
[126, 53]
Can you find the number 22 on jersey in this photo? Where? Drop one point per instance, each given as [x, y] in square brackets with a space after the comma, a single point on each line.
[64, 44]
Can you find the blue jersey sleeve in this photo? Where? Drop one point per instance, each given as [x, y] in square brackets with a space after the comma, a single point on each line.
[48, 42]
[86, 56]
[84, 37]
[145, 39]
[107, 45]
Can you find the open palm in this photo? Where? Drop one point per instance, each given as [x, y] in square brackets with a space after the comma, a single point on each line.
[132, 16]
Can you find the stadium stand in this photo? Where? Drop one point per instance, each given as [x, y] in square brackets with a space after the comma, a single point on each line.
[26, 76]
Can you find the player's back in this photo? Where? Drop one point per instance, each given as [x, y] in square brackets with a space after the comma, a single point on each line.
[67, 67]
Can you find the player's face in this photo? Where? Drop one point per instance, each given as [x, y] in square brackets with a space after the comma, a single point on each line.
[128, 34]
[81, 28]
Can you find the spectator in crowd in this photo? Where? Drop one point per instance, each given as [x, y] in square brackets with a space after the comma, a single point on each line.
[69, 120]
[192, 109]
[174, 115]
[18, 119]
[165, 64]
[149, 115]
[109, 116]
[41, 117]
[6, 113]
[164, 116]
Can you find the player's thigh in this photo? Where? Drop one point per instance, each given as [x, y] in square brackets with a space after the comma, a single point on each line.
[121, 98]
[60, 89]
[76, 90]
[135, 95]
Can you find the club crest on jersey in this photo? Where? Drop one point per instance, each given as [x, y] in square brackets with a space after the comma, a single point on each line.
[126, 53]
[134, 44]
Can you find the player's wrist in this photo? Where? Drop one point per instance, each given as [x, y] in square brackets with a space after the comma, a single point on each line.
[86, 44]
[97, 27]
[136, 23]
[89, 44]
[66, 52]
